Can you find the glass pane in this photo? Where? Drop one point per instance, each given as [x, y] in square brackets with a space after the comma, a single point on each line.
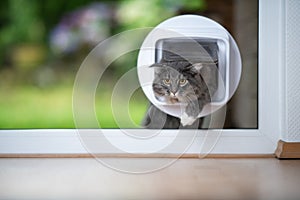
[43, 44]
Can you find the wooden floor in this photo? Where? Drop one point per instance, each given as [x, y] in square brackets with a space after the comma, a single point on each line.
[86, 178]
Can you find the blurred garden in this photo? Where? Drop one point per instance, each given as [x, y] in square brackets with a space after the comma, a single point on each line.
[43, 43]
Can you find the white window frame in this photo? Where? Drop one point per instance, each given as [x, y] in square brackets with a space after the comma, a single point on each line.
[232, 141]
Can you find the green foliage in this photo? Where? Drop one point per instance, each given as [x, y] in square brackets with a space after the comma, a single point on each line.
[24, 23]
[27, 24]
[139, 13]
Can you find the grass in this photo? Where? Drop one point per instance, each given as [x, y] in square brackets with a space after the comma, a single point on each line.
[31, 107]
[121, 114]
[27, 107]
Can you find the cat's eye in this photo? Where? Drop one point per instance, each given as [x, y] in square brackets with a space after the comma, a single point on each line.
[182, 81]
[167, 81]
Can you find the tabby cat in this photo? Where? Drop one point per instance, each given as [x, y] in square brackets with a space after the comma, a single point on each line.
[181, 82]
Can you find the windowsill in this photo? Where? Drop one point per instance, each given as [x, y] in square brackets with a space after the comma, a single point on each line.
[67, 143]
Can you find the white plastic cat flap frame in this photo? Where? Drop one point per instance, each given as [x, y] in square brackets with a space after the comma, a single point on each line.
[192, 28]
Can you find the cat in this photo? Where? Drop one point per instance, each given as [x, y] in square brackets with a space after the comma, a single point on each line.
[184, 83]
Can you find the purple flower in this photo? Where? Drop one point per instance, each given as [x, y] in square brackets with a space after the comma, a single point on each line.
[86, 26]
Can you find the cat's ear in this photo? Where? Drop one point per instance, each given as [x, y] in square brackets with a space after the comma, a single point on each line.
[197, 67]
[194, 68]
[157, 68]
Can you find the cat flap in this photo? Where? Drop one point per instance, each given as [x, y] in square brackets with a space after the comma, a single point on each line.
[192, 49]
[202, 53]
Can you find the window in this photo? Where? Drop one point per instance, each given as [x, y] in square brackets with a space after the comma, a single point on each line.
[38, 72]
[38, 85]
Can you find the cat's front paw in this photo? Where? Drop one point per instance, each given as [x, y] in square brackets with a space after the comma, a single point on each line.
[186, 120]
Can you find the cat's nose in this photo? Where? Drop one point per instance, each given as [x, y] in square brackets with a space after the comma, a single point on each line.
[173, 94]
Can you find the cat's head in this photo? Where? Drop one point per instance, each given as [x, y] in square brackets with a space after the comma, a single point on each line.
[169, 85]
